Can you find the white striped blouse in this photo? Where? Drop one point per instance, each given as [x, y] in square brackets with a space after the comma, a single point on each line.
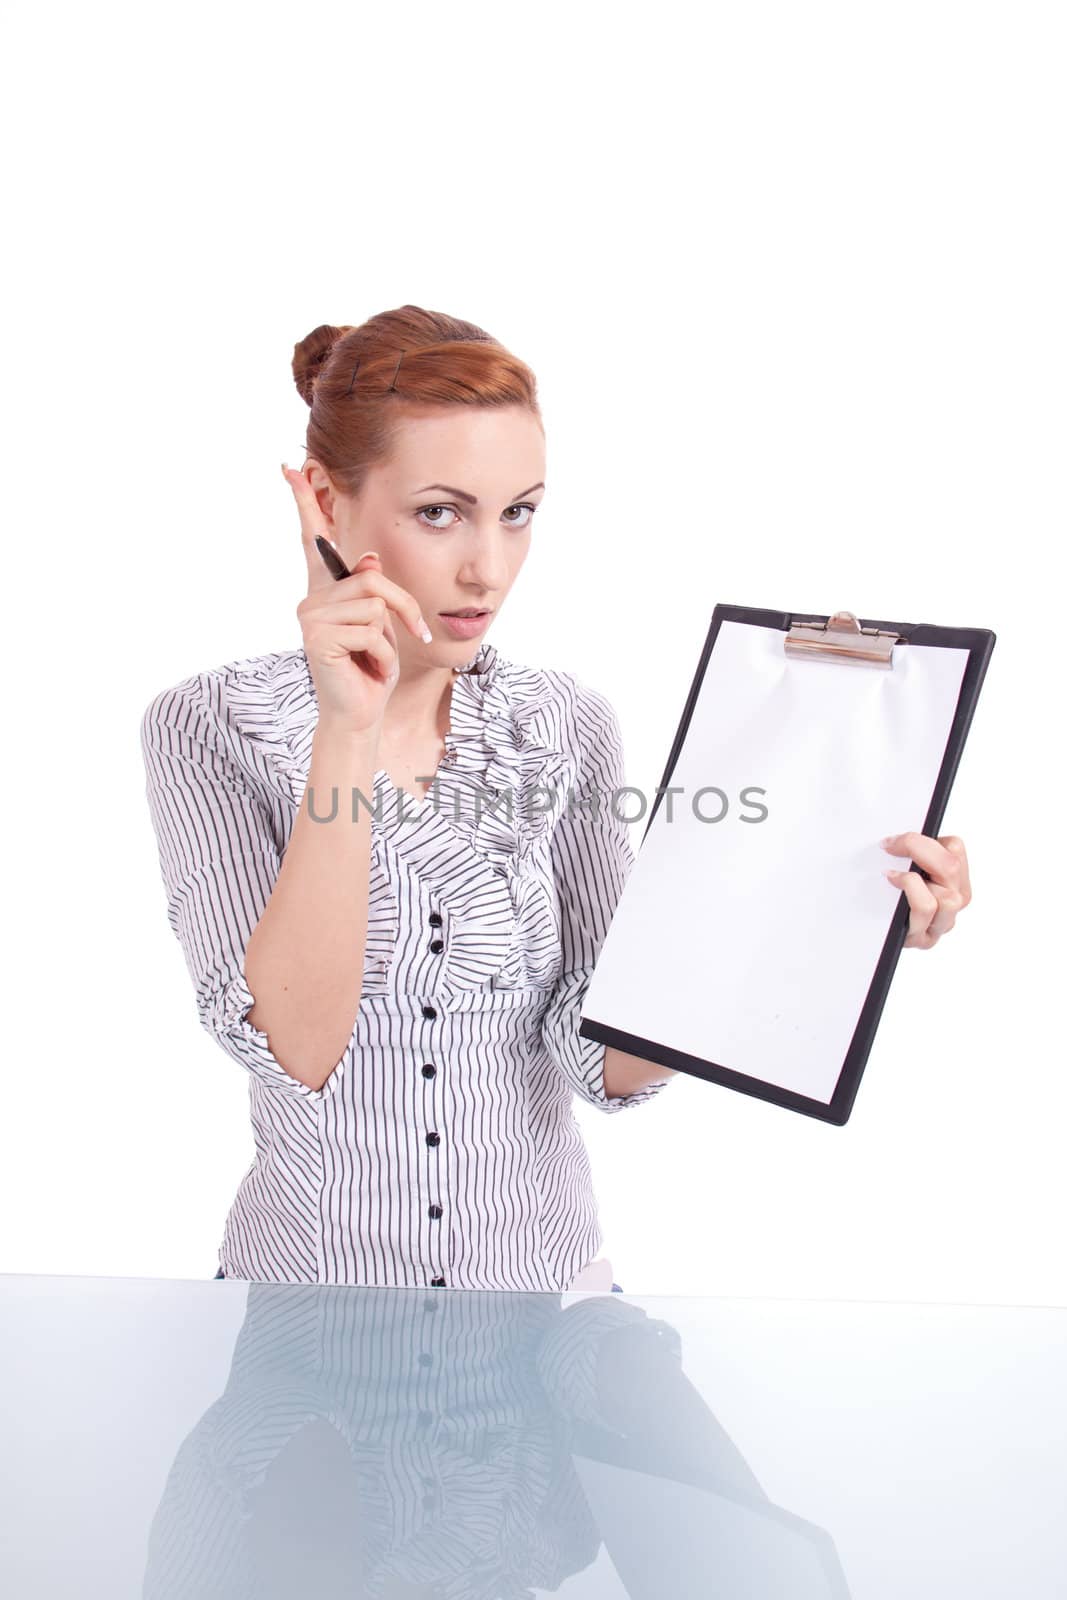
[443, 1148]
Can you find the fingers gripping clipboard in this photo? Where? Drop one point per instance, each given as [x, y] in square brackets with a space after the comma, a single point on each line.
[756, 936]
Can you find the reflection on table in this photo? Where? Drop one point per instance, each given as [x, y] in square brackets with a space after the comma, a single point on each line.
[458, 1445]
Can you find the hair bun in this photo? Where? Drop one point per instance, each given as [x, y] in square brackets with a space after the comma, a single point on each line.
[312, 354]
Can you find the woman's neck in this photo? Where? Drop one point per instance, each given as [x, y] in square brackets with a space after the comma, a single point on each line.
[420, 705]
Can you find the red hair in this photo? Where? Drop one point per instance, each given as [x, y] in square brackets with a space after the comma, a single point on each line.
[359, 381]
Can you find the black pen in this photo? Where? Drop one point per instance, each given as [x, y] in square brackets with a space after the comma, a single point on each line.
[333, 561]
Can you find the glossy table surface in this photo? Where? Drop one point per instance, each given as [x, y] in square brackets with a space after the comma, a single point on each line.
[230, 1439]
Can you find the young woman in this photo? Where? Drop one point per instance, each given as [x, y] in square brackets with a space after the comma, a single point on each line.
[391, 856]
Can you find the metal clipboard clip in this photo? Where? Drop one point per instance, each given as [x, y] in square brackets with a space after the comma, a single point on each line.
[841, 638]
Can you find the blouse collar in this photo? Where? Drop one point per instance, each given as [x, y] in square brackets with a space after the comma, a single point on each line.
[500, 716]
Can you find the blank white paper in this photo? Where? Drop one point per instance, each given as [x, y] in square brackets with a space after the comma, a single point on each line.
[753, 944]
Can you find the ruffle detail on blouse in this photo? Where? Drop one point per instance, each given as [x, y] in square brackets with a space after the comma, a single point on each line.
[476, 835]
[508, 769]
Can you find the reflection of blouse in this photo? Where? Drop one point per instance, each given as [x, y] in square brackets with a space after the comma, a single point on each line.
[443, 1148]
[424, 1436]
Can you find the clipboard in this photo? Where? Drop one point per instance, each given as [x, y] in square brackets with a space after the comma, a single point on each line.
[756, 952]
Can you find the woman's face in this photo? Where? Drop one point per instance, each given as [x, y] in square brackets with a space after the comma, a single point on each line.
[450, 515]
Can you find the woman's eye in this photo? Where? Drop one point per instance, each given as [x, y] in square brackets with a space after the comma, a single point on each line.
[426, 511]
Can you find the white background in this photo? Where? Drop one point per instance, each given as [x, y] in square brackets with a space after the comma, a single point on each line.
[791, 279]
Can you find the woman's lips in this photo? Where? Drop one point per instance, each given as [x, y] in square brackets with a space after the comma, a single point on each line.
[465, 627]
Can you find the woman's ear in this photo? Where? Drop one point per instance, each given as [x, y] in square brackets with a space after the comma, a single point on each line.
[324, 490]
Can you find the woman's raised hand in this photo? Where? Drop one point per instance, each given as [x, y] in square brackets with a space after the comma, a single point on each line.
[348, 632]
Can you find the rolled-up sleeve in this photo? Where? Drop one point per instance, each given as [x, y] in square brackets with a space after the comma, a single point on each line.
[591, 860]
[220, 860]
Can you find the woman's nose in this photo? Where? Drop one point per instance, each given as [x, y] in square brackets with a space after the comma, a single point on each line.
[486, 569]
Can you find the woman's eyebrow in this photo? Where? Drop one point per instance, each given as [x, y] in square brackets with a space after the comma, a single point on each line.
[471, 499]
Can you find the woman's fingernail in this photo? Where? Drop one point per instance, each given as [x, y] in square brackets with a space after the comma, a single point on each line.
[889, 838]
[285, 472]
[366, 553]
[424, 627]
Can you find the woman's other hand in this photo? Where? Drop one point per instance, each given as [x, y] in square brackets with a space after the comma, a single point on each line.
[934, 904]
